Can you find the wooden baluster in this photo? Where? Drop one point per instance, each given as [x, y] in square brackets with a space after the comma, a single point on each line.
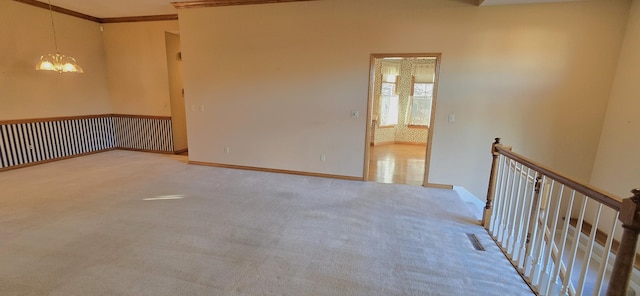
[623, 266]
[492, 183]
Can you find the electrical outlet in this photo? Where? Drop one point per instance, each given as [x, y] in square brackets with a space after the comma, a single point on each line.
[227, 150]
[323, 158]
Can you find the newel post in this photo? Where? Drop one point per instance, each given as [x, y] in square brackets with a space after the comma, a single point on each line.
[622, 268]
[486, 215]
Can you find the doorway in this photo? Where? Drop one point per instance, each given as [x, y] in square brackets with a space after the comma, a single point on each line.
[402, 105]
[176, 93]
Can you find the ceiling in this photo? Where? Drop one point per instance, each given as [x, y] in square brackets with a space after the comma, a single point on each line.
[131, 8]
[117, 8]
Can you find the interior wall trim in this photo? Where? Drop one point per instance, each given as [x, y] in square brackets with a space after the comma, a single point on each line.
[438, 186]
[399, 142]
[141, 116]
[144, 150]
[152, 18]
[54, 159]
[289, 172]
[27, 142]
[135, 19]
[108, 20]
[217, 3]
[60, 10]
[47, 119]
[35, 142]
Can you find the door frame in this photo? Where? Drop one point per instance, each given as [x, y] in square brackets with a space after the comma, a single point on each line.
[370, 101]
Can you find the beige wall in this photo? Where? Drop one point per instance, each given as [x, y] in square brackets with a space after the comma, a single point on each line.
[137, 67]
[276, 83]
[617, 166]
[25, 35]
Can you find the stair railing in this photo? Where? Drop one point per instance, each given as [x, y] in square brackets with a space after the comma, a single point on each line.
[559, 233]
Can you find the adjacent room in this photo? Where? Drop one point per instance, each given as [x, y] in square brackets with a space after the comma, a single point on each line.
[319, 147]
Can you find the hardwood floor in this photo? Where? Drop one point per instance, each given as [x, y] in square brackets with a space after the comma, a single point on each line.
[397, 163]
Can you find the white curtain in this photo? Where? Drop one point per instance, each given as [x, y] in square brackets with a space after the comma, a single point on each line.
[424, 72]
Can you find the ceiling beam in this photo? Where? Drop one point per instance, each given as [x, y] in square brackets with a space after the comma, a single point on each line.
[216, 3]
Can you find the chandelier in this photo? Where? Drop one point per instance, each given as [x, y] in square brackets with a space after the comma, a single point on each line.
[57, 61]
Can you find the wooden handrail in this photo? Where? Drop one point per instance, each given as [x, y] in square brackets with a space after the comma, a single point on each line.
[601, 196]
[628, 212]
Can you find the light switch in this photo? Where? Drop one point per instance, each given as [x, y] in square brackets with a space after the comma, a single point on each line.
[452, 117]
[355, 114]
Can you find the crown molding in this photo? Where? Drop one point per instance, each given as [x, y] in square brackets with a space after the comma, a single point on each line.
[60, 10]
[217, 3]
[145, 18]
[127, 19]
[152, 18]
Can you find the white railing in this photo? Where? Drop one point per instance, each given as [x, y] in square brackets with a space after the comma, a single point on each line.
[559, 233]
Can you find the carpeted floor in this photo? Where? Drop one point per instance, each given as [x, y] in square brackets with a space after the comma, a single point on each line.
[83, 227]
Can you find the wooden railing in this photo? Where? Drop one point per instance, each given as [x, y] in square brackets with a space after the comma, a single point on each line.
[536, 216]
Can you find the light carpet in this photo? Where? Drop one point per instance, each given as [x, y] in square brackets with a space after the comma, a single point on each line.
[83, 227]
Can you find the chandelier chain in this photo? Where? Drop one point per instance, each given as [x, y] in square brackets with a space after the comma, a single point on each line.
[53, 27]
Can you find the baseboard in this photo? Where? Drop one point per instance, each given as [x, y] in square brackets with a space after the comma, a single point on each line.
[410, 143]
[439, 186]
[145, 150]
[300, 173]
[20, 166]
[185, 150]
[398, 142]
[79, 155]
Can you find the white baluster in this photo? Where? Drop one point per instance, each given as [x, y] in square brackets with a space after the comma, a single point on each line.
[556, 284]
[551, 246]
[605, 256]
[588, 254]
[566, 283]
[514, 217]
[533, 222]
[507, 200]
[542, 243]
[519, 246]
[497, 200]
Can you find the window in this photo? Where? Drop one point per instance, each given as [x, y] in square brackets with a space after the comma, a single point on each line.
[389, 103]
[423, 77]
[421, 97]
